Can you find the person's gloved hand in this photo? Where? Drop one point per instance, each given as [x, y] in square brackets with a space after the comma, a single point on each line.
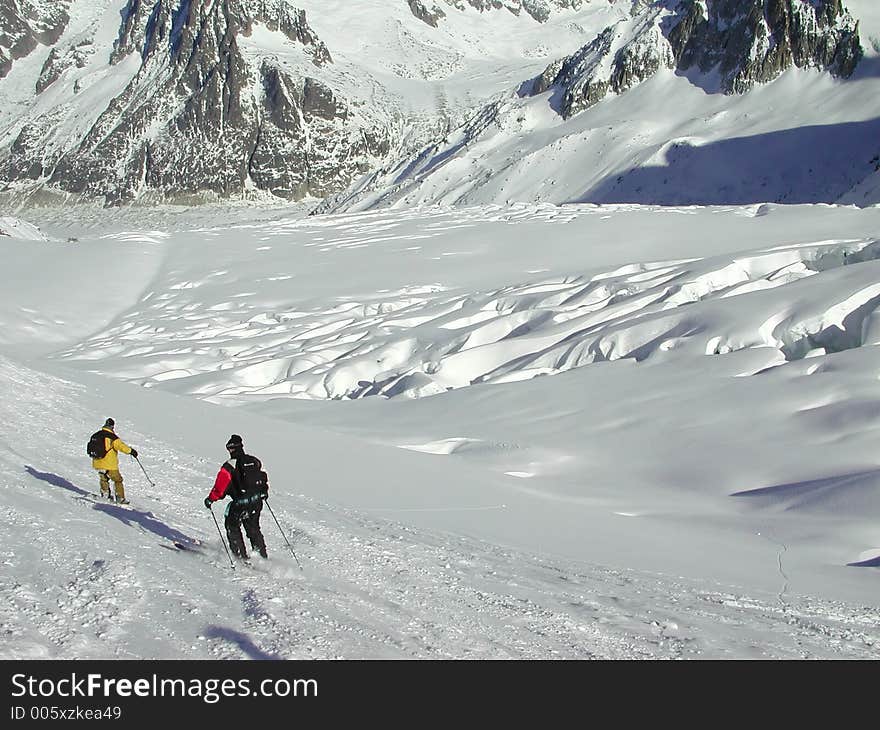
[134, 453]
[264, 496]
[208, 502]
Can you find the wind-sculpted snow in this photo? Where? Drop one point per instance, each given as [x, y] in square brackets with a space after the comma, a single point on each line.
[217, 334]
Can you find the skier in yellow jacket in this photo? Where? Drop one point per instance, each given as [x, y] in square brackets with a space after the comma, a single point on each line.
[108, 465]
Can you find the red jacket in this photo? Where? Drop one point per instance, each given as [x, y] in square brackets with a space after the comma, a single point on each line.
[221, 484]
[224, 479]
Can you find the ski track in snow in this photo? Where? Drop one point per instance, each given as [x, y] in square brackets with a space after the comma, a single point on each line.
[85, 580]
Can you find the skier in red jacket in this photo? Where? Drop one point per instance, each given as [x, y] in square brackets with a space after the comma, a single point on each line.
[242, 478]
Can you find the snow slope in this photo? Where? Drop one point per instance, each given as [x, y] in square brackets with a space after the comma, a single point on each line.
[17, 228]
[110, 584]
[657, 442]
[804, 137]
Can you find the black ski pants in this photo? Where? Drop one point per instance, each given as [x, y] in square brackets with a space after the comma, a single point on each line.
[249, 516]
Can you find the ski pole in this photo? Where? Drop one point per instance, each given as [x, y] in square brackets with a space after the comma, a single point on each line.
[231, 564]
[282, 534]
[152, 484]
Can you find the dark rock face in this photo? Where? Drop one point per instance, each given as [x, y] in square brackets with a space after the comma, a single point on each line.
[57, 63]
[746, 41]
[583, 76]
[149, 25]
[199, 119]
[753, 42]
[24, 24]
[431, 17]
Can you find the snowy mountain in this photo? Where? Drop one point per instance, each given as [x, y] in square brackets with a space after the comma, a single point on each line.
[680, 103]
[451, 101]
[201, 99]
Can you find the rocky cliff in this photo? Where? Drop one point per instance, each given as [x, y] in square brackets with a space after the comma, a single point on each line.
[740, 42]
[199, 117]
[24, 24]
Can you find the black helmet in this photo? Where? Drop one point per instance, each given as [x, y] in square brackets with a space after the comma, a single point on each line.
[109, 423]
[234, 442]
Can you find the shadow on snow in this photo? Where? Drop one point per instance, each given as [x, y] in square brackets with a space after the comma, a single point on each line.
[130, 517]
[814, 164]
[243, 641]
[854, 493]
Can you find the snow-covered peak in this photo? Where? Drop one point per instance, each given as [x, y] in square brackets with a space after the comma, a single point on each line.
[540, 10]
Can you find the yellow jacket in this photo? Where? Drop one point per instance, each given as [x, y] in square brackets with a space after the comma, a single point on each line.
[113, 444]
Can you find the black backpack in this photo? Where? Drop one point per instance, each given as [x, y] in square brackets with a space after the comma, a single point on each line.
[97, 446]
[248, 477]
